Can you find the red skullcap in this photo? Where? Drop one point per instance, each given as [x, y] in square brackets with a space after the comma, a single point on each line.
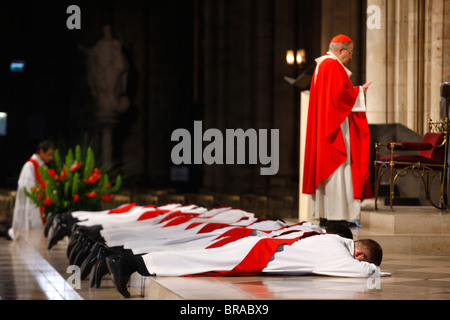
[341, 39]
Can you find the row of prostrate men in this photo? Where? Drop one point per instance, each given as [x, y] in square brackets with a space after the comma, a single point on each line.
[178, 240]
[189, 240]
[148, 240]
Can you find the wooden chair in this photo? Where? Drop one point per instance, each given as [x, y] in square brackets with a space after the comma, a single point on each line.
[425, 160]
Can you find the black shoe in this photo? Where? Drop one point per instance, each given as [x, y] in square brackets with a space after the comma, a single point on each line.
[73, 241]
[92, 274]
[349, 224]
[80, 234]
[59, 231]
[76, 249]
[101, 268]
[323, 222]
[116, 266]
[352, 224]
[95, 271]
[100, 272]
[84, 252]
[4, 227]
[62, 227]
[80, 250]
[48, 224]
[339, 228]
[90, 260]
[79, 240]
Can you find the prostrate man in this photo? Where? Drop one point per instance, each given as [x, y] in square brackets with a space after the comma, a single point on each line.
[307, 253]
[336, 169]
[26, 214]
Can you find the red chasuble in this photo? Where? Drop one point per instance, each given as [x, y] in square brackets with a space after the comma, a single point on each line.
[332, 97]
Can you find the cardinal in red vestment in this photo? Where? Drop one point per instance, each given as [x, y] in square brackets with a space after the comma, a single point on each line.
[336, 164]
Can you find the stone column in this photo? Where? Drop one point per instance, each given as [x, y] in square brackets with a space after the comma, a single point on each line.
[407, 61]
[437, 57]
[376, 68]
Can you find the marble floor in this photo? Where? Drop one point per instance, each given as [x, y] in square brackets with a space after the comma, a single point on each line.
[28, 271]
[414, 277]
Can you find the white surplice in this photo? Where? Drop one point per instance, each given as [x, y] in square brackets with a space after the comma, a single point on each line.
[26, 214]
[326, 254]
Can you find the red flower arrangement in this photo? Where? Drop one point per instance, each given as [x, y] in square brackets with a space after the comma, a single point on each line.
[106, 197]
[75, 166]
[78, 186]
[94, 176]
[48, 202]
[91, 194]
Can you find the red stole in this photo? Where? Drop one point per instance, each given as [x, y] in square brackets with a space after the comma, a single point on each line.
[36, 171]
[332, 97]
[122, 209]
[230, 236]
[41, 182]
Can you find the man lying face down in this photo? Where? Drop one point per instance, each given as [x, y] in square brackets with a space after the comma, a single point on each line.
[310, 253]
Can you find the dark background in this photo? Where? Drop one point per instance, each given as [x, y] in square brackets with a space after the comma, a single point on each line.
[218, 61]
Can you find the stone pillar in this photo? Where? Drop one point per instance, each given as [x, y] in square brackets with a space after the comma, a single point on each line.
[376, 68]
[107, 72]
[407, 60]
[393, 64]
[437, 57]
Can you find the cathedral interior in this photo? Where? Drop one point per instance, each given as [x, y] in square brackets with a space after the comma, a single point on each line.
[223, 64]
[187, 61]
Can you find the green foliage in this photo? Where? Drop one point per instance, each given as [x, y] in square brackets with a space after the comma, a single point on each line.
[73, 184]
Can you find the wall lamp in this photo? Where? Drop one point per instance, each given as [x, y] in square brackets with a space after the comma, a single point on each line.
[296, 57]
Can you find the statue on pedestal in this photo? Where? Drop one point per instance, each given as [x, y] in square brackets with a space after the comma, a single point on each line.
[107, 72]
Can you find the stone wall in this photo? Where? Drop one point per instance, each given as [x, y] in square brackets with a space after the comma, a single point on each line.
[407, 60]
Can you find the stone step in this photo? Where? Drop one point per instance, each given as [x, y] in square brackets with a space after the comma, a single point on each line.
[409, 243]
[406, 229]
[407, 220]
